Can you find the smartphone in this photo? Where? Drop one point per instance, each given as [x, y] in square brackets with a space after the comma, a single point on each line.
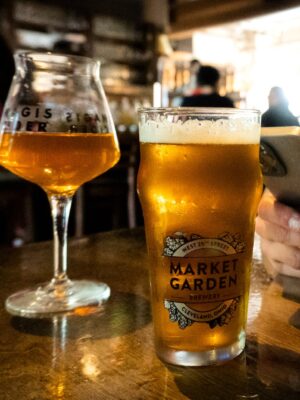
[280, 162]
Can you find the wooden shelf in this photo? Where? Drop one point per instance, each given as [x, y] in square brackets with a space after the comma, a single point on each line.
[136, 43]
[37, 27]
[119, 42]
[128, 90]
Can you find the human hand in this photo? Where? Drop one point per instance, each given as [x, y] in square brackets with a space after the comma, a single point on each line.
[279, 228]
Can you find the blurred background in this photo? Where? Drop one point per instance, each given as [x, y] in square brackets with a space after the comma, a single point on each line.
[148, 51]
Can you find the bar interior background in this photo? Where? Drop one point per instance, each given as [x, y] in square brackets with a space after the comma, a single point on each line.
[146, 44]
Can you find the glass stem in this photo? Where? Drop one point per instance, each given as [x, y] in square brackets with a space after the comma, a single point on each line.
[60, 209]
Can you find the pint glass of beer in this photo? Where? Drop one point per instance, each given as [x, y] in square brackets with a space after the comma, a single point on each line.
[199, 183]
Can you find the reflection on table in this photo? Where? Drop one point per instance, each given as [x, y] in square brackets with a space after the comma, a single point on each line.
[109, 354]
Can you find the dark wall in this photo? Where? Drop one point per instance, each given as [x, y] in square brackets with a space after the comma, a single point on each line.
[121, 8]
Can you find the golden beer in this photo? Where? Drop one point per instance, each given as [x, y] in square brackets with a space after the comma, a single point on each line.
[56, 130]
[199, 185]
[58, 162]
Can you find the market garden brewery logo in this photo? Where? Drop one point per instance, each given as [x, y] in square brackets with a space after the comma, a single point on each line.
[208, 269]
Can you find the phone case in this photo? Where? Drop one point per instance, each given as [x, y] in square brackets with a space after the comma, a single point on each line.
[280, 161]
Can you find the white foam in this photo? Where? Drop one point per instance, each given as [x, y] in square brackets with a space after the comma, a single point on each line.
[222, 131]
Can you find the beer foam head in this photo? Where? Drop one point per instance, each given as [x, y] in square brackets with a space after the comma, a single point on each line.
[226, 127]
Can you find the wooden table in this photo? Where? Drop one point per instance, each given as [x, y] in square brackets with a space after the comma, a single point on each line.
[110, 355]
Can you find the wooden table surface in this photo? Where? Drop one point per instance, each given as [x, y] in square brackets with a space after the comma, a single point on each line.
[110, 354]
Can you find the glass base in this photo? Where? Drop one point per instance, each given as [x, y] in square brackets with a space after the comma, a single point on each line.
[197, 359]
[48, 299]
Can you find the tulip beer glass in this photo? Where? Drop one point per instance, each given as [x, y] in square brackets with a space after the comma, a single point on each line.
[199, 183]
[57, 131]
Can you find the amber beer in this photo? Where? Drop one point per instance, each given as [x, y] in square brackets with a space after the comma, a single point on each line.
[58, 162]
[199, 183]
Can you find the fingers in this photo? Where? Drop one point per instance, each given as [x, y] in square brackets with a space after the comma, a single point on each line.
[279, 228]
[277, 233]
[281, 253]
[285, 269]
[277, 213]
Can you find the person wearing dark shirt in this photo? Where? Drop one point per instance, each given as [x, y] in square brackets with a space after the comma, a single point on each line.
[278, 113]
[207, 78]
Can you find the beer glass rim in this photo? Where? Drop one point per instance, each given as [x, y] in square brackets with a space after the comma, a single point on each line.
[197, 111]
[53, 58]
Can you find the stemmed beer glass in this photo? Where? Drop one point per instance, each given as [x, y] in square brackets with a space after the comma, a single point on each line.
[57, 131]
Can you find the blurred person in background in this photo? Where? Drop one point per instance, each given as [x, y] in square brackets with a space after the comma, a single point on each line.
[65, 46]
[192, 87]
[7, 71]
[206, 94]
[278, 113]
